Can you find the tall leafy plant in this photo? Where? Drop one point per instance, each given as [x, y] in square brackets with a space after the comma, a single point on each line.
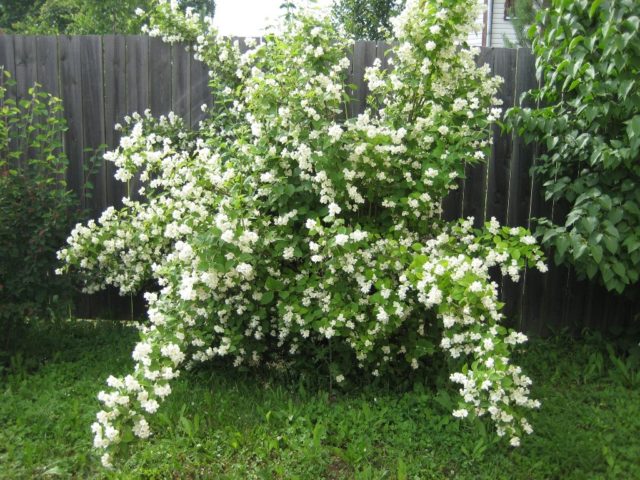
[366, 19]
[36, 207]
[588, 62]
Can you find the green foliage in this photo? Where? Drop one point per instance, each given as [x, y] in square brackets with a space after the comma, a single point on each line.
[523, 16]
[222, 423]
[588, 60]
[366, 19]
[82, 17]
[36, 207]
[12, 11]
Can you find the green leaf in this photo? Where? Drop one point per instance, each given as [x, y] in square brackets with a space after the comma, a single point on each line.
[632, 243]
[619, 269]
[562, 243]
[274, 284]
[592, 269]
[596, 253]
[611, 243]
[266, 298]
[594, 7]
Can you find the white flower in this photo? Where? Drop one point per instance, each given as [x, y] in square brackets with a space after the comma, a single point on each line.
[430, 45]
[341, 239]
[141, 429]
[150, 406]
[245, 270]
[335, 132]
[106, 460]
[462, 413]
[334, 209]
[227, 236]
[340, 378]
[267, 177]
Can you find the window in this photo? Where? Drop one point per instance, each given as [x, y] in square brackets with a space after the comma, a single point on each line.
[509, 9]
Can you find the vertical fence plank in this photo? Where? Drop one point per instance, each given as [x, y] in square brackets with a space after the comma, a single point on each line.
[70, 81]
[93, 137]
[71, 90]
[160, 77]
[522, 155]
[200, 92]
[115, 107]
[518, 196]
[475, 181]
[180, 96]
[504, 65]
[93, 119]
[498, 168]
[25, 58]
[137, 71]
[363, 56]
[47, 64]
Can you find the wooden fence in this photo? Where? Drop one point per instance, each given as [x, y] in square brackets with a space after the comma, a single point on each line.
[103, 78]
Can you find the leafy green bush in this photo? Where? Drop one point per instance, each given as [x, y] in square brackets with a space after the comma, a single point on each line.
[280, 232]
[82, 17]
[36, 207]
[366, 19]
[588, 61]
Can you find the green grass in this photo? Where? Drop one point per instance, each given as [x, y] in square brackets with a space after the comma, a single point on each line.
[221, 423]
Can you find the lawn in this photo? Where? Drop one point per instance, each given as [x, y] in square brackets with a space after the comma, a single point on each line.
[221, 423]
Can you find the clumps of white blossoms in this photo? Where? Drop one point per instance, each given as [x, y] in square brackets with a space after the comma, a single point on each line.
[280, 225]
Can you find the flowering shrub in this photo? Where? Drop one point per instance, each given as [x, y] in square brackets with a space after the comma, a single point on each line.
[279, 228]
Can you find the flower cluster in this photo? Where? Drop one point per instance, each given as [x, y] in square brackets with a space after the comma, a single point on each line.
[280, 226]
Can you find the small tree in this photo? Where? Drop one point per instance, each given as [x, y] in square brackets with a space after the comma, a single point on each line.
[366, 19]
[37, 209]
[84, 17]
[588, 61]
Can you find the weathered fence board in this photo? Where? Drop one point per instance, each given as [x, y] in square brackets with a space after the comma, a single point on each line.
[180, 75]
[159, 77]
[47, 64]
[71, 91]
[102, 79]
[115, 105]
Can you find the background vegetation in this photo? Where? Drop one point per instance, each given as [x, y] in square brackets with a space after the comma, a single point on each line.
[588, 58]
[83, 17]
[37, 210]
[366, 19]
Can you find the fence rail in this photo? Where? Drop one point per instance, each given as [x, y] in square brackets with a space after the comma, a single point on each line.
[103, 78]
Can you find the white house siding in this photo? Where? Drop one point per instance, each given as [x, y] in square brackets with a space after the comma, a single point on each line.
[501, 28]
